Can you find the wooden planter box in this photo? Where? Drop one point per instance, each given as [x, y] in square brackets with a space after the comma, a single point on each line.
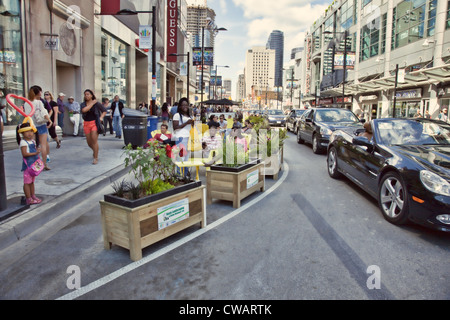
[144, 225]
[274, 163]
[234, 184]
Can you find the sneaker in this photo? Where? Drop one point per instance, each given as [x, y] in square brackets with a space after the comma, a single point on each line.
[48, 158]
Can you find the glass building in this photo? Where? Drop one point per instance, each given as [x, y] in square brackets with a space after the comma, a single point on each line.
[384, 38]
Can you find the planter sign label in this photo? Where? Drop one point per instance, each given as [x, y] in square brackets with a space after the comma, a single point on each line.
[173, 213]
[252, 179]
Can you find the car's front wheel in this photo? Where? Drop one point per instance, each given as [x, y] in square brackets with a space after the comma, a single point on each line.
[332, 163]
[316, 145]
[393, 198]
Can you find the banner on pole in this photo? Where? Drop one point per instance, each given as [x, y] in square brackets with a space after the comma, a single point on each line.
[145, 37]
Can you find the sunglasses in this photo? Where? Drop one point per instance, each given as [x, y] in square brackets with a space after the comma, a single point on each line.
[46, 94]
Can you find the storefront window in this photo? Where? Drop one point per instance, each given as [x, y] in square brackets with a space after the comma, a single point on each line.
[11, 58]
[405, 109]
[447, 26]
[114, 67]
[409, 22]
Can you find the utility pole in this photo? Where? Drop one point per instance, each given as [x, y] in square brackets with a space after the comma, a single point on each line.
[395, 91]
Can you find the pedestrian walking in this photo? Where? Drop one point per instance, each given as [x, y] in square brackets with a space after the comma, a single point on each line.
[91, 110]
[117, 116]
[60, 102]
[108, 117]
[74, 114]
[30, 154]
[182, 124]
[41, 120]
[443, 116]
[165, 113]
[427, 114]
[52, 105]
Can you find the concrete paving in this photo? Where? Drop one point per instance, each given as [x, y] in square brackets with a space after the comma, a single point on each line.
[71, 178]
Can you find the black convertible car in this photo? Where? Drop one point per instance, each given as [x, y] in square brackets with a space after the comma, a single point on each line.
[316, 125]
[405, 166]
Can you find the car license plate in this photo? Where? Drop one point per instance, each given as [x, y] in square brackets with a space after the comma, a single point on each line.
[278, 121]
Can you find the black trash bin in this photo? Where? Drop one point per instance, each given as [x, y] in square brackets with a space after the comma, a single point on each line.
[134, 126]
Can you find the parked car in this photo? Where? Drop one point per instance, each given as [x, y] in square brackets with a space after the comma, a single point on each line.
[276, 117]
[405, 166]
[292, 118]
[316, 125]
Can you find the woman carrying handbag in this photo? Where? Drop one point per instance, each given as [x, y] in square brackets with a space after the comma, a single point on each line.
[93, 113]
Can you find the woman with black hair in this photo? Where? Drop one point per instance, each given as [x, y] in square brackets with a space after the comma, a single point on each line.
[182, 124]
[90, 109]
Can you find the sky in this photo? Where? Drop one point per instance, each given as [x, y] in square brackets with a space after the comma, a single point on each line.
[250, 22]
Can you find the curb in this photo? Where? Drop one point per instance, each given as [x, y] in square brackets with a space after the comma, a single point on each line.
[22, 225]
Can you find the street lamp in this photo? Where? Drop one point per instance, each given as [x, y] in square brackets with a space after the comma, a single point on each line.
[203, 49]
[345, 62]
[129, 12]
[188, 67]
[215, 80]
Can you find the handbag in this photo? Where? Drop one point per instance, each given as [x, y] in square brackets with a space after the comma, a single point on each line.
[40, 113]
[36, 168]
[98, 122]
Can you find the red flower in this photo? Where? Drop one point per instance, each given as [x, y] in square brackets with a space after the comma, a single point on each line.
[168, 150]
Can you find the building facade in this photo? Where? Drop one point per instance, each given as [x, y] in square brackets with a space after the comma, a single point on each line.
[259, 71]
[379, 39]
[276, 42]
[70, 46]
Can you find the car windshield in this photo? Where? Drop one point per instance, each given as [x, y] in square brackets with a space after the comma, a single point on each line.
[413, 132]
[298, 113]
[275, 113]
[336, 115]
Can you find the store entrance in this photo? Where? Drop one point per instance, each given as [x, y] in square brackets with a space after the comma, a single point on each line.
[405, 109]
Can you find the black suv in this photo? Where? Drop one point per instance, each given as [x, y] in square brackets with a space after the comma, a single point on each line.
[317, 124]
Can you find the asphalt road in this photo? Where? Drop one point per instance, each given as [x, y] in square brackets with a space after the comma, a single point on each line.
[306, 237]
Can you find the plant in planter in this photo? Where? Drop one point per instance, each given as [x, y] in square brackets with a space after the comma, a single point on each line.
[238, 176]
[270, 142]
[157, 206]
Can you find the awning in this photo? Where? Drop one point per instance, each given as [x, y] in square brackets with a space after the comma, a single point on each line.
[421, 77]
[432, 75]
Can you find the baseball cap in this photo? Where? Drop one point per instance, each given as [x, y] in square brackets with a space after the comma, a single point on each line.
[71, 98]
[61, 94]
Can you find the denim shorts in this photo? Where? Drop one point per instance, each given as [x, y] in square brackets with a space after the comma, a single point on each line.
[42, 129]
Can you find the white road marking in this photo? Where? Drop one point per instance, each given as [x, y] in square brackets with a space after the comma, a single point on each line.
[132, 266]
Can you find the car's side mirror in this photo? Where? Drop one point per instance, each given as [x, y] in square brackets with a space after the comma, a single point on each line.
[308, 120]
[362, 141]
[362, 120]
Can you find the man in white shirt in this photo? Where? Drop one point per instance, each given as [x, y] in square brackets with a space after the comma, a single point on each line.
[74, 114]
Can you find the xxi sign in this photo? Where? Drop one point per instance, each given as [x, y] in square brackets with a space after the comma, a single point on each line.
[172, 22]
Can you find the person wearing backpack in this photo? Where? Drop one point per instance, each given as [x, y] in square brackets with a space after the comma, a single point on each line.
[41, 120]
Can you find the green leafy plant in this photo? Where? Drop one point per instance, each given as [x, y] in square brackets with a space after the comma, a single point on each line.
[266, 135]
[152, 167]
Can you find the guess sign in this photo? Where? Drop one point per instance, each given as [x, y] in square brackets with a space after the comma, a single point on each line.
[172, 25]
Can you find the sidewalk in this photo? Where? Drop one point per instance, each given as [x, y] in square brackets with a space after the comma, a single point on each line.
[71, 178]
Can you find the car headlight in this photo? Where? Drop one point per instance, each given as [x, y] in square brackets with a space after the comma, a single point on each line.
[272, 119]
[325, 131]
[435, 183]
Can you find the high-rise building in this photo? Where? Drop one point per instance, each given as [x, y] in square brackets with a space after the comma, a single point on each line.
[198, 15]
[276, 42]
[240, 88]
[260, 70]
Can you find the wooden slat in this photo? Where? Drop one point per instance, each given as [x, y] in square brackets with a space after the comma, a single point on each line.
[170, 230]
